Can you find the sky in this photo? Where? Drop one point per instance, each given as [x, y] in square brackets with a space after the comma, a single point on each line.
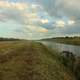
[36, 19]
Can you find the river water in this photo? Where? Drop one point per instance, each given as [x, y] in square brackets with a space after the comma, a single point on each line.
[62, 47]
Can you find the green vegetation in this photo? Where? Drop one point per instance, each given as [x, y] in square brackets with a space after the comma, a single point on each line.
[28, 60]
[77, 68]
[69, 60]
[65, 40]
[9, 39]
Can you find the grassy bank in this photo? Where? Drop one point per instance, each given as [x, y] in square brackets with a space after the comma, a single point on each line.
[27, 60]
[71, 41]
[65, 40]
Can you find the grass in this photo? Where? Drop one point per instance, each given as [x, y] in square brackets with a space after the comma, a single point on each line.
[28, 60]
[65, 40]
[71, 41]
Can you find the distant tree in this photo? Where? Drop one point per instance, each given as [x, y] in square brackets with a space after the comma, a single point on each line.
[66, 37]
[8, 39]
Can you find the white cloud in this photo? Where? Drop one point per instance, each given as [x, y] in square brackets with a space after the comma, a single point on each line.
[71, 22]
[60, 23]
[44, 21]
[13, 5]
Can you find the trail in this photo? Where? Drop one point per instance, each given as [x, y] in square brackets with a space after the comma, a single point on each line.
[30, 61]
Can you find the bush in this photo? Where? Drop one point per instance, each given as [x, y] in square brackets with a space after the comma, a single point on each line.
[68, 59]
[77, 68]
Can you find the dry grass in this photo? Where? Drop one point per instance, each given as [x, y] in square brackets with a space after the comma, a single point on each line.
[27, 60]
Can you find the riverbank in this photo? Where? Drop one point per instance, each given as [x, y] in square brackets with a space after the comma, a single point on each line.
[70, 55]
[65, 40]
[71, 41]
[28, 60]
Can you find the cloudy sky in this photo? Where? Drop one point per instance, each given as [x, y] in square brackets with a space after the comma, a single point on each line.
[35, 19]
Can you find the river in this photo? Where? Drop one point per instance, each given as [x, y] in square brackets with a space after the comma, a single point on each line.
[63, 47]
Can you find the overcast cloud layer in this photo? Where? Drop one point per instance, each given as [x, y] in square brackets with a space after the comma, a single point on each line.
[35, 19]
